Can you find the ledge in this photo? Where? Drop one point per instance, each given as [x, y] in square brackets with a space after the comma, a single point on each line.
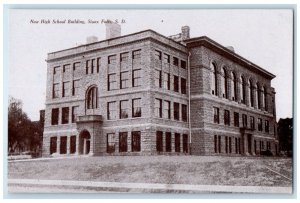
[89, 118]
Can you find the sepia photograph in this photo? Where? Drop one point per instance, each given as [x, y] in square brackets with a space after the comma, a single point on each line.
[189, 101]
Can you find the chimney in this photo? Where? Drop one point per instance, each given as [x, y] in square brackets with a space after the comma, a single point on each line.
[112, 30]
[230, 48]
[91, 39]
[185, 32]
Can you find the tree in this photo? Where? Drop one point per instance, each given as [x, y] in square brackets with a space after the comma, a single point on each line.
[285, 134]
[22, 133]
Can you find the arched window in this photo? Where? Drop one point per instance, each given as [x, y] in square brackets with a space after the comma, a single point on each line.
[251, 93]
[224, 83]
[214, 79]
[233, 87]
[265, 99]
[91, 98]
[243, 90]
[258, 96]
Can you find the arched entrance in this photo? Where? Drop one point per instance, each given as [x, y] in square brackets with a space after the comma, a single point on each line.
[84, 142]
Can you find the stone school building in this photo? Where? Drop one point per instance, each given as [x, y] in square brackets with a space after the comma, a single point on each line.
[147, 94]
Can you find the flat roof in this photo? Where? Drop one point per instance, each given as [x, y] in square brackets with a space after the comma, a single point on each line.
[190, 43]
[116, 41]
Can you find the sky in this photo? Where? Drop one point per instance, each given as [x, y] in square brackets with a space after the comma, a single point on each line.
[263, 36]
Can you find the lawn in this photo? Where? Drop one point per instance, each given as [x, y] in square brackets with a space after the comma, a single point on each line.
[203, 170]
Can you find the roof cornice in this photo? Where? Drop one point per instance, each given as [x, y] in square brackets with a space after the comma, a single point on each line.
[218, 48]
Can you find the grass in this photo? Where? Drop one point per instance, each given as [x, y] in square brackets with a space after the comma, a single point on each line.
[203, 170]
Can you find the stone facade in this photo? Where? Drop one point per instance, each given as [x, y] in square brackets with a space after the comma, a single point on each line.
[135, 94]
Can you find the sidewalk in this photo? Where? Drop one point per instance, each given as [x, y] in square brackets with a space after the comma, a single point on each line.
[48, 158]
[142, 187]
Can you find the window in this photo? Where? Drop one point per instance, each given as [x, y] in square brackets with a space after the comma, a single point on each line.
[98, 64]
[72, 144]
[159, 141]
[91, 100]
[112, 81]
[268, 145]
[251, 93]
[124, 57]
[216, 115]
[259, 124]
[183, 64]
[124, 80]
[66, 89]
[65, 115]
[167, 109]
[87, 66]
[76, 66]
[166, 58]
[158, 108]
[74, 113]
[258, 96]
[224, 83]
[176, 83]
[233, 87]
[75, 89]
[168, 142]
[123, 142]
[167, 81]
[136, 141]
[219, 144]
[66, 69]
[226, 117]
[236, 119]
[239, 145]
[183, 86]
[244, 118]
[265, 99]
[136, 108]
[236, 146]
[176, 111]
[175, 61]
[252, 123]
[112, 110]
[216, 143]
[184, 112]
[93, 65]
[158, 78]
[226, 144]
[177, 142]
[111, 143]
[124, 109]
[55, 70]
[112, 59]
[230, 147]
[262, 145]
[53, 145]
[55, 93]
[54, 116]
[63, 145]
[267, 126]
[136, 78]
[243, 90]
[185, 143]
[214, 79]
[157, 55]
[136, 54]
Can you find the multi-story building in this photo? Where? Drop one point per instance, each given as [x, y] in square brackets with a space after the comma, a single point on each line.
[145, 93]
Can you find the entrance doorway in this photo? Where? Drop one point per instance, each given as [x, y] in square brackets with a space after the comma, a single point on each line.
[84, 142]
